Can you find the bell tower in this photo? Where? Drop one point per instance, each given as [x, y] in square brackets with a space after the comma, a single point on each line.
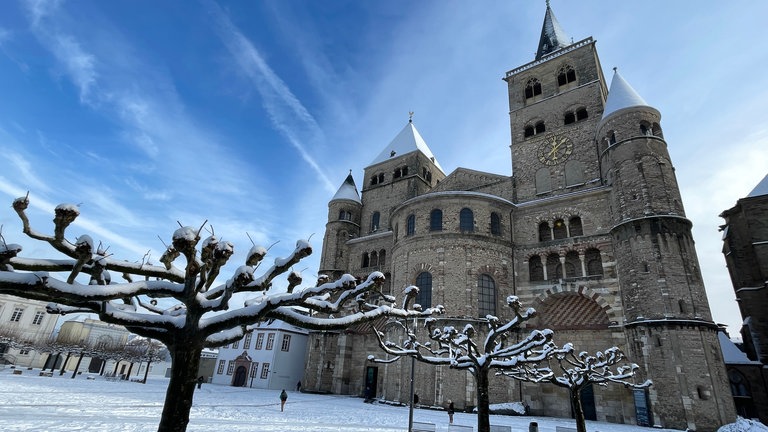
[555, 103]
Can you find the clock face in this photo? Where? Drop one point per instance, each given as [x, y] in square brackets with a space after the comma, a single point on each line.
[555, 149]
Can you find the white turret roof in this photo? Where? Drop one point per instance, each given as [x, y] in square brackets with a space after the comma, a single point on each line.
[761, 188]
[407, 141]
[621, 95]
[348, 191]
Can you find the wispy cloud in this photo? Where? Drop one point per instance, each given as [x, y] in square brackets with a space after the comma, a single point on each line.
[286, 112]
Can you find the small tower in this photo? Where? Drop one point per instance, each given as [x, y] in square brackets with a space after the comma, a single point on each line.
[344, 211]
[668, 326]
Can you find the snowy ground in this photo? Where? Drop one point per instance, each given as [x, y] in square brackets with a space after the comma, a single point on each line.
[57, 404]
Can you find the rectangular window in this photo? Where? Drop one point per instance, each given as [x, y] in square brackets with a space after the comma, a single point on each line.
[235, 344]
[221, 367]
[230, 367]
[24, 351]
[270, 341]
[265, 371]
[16, 316]
[38, 319]
[259, 340]
[286, 343]
[254, 369]
[247, 341]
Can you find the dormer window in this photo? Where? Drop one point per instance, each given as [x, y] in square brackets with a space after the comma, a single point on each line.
[566, 75]
[532, 88]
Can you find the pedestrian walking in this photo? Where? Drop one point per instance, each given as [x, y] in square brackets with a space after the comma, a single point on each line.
[298, 386]
[450, 411]
[200, 382]
[283, 398]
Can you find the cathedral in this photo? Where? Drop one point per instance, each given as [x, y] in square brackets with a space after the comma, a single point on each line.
[589, 230]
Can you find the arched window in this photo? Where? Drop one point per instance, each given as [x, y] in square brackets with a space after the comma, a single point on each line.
[410, 225]
[486, 296]
[543, 181]
[559, 230]
[405, 171]
[532, 88]
[535, 269]
[644, 129]
[381, 177]
[572, 264]
[569, 118]
[594, 262]
[554, 270]
[382, 257]
[366, 260]
[739, 384]
[375, 221]
[466, 220]
[436, 220]
[495, 224]
[397, 173]
[574, 226]
[574, 173]
[611, 138]
[540, 128]
[657, 130]
[345, 215]
[374, 259]
[529, 131]
[424, 282]
[545, 234]
[566, 75]
[581, 114]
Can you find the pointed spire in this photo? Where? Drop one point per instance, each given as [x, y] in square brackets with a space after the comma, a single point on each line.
[761, 188]
[621, 95]
[407, 141]
[348, 190]
[553, 37]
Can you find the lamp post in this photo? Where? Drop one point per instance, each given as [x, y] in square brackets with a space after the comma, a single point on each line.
[410, 409]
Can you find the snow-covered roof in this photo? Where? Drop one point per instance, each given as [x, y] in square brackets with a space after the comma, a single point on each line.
[553, 37]
[761, 188]
[348, 191]
[731, 353]
[621, 95]
[407, 141]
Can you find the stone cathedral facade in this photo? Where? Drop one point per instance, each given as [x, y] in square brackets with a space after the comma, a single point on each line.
[589, 230]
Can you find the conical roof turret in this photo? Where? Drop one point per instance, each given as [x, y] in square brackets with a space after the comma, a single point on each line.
[348, 191]
[553, 37]
[407, 141]
[621, 95]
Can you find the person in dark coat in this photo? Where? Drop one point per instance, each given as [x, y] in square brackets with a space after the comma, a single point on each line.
[200, 382]
[450, 411]
[298, 386]
[283, 398]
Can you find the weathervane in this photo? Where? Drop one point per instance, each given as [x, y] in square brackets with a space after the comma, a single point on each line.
[410, 116]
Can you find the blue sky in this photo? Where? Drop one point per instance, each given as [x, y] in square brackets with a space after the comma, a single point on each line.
[250, 114]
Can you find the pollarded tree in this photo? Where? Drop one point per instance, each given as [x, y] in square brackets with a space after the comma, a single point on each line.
[192, 312]
[576, 371]
[458, 349]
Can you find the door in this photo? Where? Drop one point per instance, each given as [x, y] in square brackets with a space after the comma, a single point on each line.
[371, 378]
[241, 374]
[588, 403]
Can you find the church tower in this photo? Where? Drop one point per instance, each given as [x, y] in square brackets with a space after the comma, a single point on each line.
[668, 325]
[555, 103]
[343, 223]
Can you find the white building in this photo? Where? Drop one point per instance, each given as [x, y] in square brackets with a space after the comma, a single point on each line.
[270, 357]
[23, 320]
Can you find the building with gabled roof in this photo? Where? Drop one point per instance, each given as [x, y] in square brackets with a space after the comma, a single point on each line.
[589, 229]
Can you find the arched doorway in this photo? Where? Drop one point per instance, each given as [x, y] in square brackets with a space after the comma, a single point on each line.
[240, 378]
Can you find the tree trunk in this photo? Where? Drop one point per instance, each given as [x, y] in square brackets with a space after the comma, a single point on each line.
[483, 401]
[578, 411]
[146, 372]
[64, 364]
[181, 387]
[77, 366]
